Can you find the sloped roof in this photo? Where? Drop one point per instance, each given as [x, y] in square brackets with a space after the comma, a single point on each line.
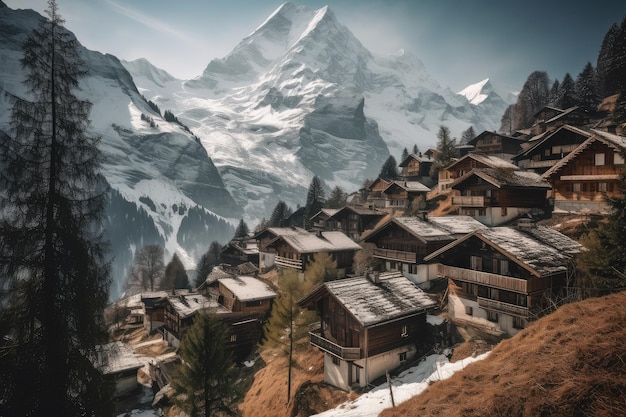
[362, 211]
[188, 304]
[565, 113]
[556, 239]
[490, 161]
[116, 357]
[371, 304]
[247, 288]
[279, 231]
[305, 242]
[410, 186]
[486, 132]
[420, 158]
[423, 230]
[526, 250]
[615, 141]
[457, 225]
[505, 178]
[546, 136]
[547, 108]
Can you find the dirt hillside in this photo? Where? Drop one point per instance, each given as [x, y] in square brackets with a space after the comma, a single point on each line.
[571, 363]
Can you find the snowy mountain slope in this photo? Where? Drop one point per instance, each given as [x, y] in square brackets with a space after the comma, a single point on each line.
[301, 96]
[152, 167]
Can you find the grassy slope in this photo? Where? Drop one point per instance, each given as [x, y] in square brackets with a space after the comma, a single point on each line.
[571, 363]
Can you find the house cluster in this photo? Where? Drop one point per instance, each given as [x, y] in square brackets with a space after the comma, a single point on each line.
[501, 269]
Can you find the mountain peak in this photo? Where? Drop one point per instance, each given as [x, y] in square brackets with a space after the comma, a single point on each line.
[478, 92]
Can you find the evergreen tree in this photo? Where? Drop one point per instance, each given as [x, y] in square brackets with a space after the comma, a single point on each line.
[611, 65]
[415, 150]
[405, 154]
[314, 200]
[279, 215]
[602, 267]
[567, 94]
[535, 94]
[554, 97]
[321, 268]
[389, 170]
[175, 275]
[467, 135]
[53, 276]
[337, 198]
[506, 123]
[148, 269]
[207, 261]
[242, 230]
[205, 380]
[587, 88]
[446, 153]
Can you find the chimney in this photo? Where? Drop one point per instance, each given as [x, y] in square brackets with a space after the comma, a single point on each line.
[373, 276]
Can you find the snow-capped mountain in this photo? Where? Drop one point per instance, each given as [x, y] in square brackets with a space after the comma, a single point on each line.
[301, 96]
[165, 187]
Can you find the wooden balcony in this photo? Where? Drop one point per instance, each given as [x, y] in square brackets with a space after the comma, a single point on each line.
[542, 164]
[345, 353]
[484, 278]
[395, 255]
[288, 263]
[501, 307]
[469, 201]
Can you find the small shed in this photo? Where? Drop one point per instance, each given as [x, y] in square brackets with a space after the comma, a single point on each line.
[119, 363]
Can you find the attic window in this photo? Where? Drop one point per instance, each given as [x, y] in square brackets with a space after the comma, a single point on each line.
[599, 159]
[618, 159]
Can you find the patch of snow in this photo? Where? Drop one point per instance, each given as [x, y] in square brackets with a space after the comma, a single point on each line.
[435, 320]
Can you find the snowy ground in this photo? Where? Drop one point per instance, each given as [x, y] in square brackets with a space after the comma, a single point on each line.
[406, 385]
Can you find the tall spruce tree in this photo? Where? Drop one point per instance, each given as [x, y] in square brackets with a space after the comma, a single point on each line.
[587, 95]
[554, 96]
[314, 200]
[207, 261]
[567, 96]
[52, 256]
[389, 170]
[337, 198]
[280, 214]
[242, 230]
[467, 135]
[175, 275]
[405, 154]
[535, 94]
[611, 64]
[205, 380]
[446, 151]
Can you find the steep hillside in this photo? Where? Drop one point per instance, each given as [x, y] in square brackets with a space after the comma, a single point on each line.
[571, 363]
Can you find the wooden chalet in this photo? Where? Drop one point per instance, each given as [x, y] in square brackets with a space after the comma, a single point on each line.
[297, 248]
[267, 255]
[581, 180]
[497, 144]
[352, 221]
[546, 150]
[375, 198]
[468, 162]
[551, 118]
[499, 278]
[239, 251]
[368, 325]
[323, 220]
[118, 363]
[400, 195]
[416, 166]
[495, 196]
[403, 242]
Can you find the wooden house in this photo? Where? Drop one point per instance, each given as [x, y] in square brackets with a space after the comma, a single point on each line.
[245, 294]
[352, 221]
[581, 180]
[295, 250]
[118, 363]
[239, 251]
[497, 144]
[495, 196]
[500, 278]
[402, 242]
[546, 150]
[551, 118]
[375, 197]
[267, 255]
[368, 325]
[468, 162]
[400, 195]
[323, 220]
[154, 312]
[416, 166]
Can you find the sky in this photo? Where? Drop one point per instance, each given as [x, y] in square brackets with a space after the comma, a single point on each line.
[460, 42]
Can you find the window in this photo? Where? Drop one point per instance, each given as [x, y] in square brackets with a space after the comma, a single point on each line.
[255, 303]
[518, 323]
[476, 263]
[233, 337]
[469, 310]
[602, 187]
[336, 360]
[402, 356]
[618, 159]
[503, 211]
[547, 153]
[405, 331]
[482, 212]
[504, 267]
[520, 299]
[492, 316]
[413, 269]
[599, 159]
[493, 293]
[576, 187]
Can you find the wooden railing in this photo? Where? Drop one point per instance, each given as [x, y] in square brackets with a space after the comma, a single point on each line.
[542, 164]
[288, 263]
[346, 353]
[484, 278]
[502, 307]
[395, 255]
[469, 201]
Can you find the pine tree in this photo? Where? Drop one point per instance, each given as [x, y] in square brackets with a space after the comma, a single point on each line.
[242, 230]
[207, 261]
[567, 97]
[147, 271]
[321, 268]
[389, 170]
[280, 213]
[53, 274]
[314, 200]
[611, 65]
[587, 88]
[405, 154]
[175, 275]
[337, 198]
[446, 151]
[205, 380]
[554, 97]
[534, 95]
[467, 135]
[416, 150]
[506, 123]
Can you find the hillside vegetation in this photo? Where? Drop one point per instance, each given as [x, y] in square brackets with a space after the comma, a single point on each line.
[570, 363]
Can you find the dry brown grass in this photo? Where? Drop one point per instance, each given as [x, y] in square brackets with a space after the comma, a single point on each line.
[571, 363]
[267, 397]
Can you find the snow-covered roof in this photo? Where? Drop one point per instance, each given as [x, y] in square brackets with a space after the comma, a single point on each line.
[247, 288]
[416, 226]
[417, 157]
[565, 113]
[410, 186]
[490, 161]
[362, 211]
[501, 135]
[555, 239]
[457, 225]
[548, 135]
[306, 242]
[117, 357]
[505, 178]
[528, 251]
[188, 304]
[392, 297]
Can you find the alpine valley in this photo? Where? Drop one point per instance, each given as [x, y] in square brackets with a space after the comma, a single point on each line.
[299, 96]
